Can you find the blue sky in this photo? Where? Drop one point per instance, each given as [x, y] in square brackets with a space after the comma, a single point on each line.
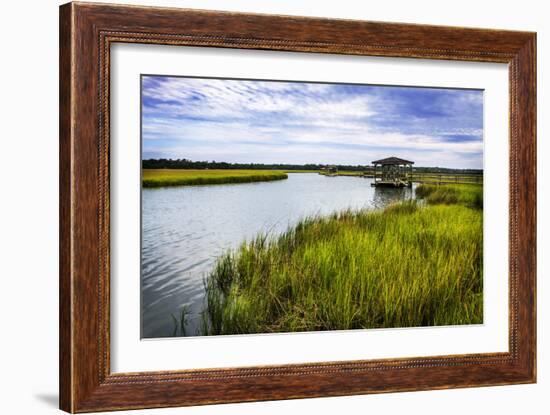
[298, 122]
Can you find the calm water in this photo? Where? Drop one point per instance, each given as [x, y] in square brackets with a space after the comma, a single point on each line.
[184, 230]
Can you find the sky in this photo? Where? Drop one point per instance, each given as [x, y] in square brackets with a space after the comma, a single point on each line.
[243, 121]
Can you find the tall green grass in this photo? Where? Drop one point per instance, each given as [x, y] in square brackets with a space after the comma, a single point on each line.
[408, 265]
[181, 177]
[464, 194]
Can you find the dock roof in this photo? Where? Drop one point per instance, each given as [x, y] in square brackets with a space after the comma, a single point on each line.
[392, 160]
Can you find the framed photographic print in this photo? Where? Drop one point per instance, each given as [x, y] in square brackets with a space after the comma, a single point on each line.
[258, 207]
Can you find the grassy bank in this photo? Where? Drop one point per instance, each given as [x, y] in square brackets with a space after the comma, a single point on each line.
[435, 178]
[180, 177]
[350, 173]
[409, 265]
[463, 194]
[343, 173]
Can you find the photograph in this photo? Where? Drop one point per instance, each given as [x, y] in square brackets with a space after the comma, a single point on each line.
[282, 206]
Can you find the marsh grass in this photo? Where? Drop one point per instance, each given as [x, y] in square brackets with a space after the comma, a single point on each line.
[406, 266]
[180, 322]
[464, 194]
[181, 177]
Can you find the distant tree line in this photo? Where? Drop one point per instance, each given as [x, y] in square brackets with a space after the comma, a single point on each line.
[189, 164]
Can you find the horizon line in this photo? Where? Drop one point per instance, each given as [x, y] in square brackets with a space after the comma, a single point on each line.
[305, 164]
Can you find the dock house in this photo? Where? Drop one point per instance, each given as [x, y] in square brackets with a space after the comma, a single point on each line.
[329, 171]
[392, 171]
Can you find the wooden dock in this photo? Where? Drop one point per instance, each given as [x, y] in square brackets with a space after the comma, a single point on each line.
[392, 183]
[447, 178]
[392, 172]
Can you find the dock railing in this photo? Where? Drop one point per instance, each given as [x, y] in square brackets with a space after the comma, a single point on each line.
[443, 178]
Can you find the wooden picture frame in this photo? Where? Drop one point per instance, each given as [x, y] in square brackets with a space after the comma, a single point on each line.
[86, 33]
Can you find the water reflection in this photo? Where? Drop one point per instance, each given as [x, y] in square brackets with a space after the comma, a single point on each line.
[384, 196]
